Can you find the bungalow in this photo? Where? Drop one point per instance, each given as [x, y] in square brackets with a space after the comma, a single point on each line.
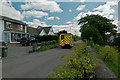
[11, 29]
[41, 31]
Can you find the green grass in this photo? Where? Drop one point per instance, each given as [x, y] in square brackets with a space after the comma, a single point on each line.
[110, 57]
[47, 47]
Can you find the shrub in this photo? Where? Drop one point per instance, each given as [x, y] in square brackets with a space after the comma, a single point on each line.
[46, 38]
[78, 65]
[47, 43]
[110, 57]
[117, 41]
[108, 54]
[89, 31]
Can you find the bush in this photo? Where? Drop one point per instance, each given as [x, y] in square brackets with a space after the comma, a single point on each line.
[110, 57]
[108, 54]
[78, 65]
[47, 43]
[76, 38]
[46, 38]
[117, 41]
[46, 47]
[89, 31]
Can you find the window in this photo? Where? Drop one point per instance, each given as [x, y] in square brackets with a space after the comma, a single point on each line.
[9, 25]
[20, 27]
[62, 37]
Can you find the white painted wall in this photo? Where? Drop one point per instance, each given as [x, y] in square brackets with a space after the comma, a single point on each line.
[51, 32]
[42, 33]
[1, 30]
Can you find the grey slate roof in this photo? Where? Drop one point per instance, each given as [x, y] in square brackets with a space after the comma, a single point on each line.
[33, 31]
[47, 29]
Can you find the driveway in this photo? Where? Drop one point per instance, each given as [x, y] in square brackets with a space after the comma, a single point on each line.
[20, 64]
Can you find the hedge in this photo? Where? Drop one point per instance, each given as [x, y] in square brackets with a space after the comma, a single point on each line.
[46, 38]
[47, 43]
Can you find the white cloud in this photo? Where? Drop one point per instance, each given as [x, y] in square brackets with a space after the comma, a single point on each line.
[51, 6]
[81, 7]
[6, 9]
[36, 14]
[70, 28]
[71, 0]
[115, 22]
[35, 23]
[105, 10]
[51, 18]
[70, 10]
[82, 1]
[58, 18]
[68, 22]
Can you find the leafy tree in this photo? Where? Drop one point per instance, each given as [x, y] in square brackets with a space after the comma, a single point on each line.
[89, 32]
[63, 31]
[101, 23]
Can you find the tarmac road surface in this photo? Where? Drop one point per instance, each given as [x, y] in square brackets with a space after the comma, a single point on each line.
[20, 64]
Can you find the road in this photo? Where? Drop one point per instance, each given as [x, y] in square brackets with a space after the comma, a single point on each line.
[20, 64]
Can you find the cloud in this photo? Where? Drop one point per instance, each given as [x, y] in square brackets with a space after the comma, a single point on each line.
[82, 1]
[69, 22]
[58, 18]
[81, 7]
[51, 18]
[35, 14]
[6, 9]
[44, 5]
[70, 10]
[70, 28]
[35, 23]
[105, 10]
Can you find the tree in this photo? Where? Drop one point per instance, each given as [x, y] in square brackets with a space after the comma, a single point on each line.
[63, 31]
[101, 23]
[91, 32]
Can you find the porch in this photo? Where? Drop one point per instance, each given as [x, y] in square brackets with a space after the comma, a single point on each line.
[14, 37]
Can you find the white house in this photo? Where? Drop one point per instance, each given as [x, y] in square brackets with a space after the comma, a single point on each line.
[11, 29]
[47, 30]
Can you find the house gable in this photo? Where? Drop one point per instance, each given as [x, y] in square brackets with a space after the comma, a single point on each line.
[51, 32]
[42, 32]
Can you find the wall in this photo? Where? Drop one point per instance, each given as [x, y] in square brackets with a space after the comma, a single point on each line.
[51, 32]
[15, 27]
[42, 32]
[1, 30]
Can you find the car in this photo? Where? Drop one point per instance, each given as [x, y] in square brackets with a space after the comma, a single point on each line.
[28, 41]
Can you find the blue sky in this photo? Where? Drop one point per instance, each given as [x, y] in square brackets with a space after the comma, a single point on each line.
[61, 15]
[65, 15]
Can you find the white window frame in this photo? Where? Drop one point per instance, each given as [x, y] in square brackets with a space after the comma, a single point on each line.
[9, 25]
[20, 27]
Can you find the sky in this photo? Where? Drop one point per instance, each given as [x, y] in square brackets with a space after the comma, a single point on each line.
[61, 14]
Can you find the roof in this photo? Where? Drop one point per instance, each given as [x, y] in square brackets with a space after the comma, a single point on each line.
[33, 31]
[11, 20]
[47, 29]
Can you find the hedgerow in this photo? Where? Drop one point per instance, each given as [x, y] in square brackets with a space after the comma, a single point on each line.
[78, 65]
[46, 38]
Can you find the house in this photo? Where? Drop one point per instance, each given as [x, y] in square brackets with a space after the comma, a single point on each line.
[33, 31]
[11, 29]
[47, 31]
[41, 31]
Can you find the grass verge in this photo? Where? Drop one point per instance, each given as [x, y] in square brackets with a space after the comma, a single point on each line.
[110, 56]
[47, 47]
